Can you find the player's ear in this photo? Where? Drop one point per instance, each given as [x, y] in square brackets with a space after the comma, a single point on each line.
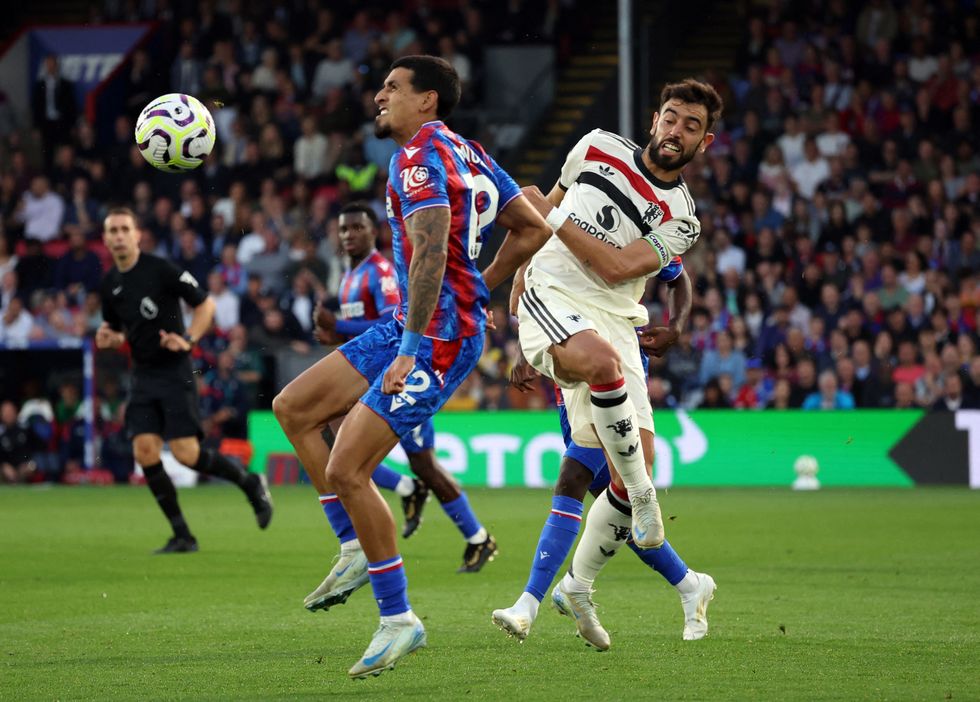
[431, 101]
[653, 124]
[706, 142]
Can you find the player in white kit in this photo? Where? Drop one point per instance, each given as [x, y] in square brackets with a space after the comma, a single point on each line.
[621, 213]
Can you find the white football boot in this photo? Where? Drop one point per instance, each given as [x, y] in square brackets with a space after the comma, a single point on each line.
[696, 608]
[648, 524]
[349, 573]
[579, 606]
[391, 642]
[513, 621]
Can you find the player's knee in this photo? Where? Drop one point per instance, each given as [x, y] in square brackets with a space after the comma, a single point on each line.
[146, 453]
[605, 368]
[186, 453]
[341, 481]
[284, 408]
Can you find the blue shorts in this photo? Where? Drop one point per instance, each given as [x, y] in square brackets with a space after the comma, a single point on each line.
[592, 458]
[421, 438]
[440, 368]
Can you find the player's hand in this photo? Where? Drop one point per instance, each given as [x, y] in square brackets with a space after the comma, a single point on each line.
[324, 318]
[172, 341]
[537, 199]
[655, 341]
[327, 337]
[394, 378]
[490, 325]
[523, 376]
[105, 337]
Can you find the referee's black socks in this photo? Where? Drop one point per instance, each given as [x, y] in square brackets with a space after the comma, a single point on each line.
[211, 462]
[166, 495]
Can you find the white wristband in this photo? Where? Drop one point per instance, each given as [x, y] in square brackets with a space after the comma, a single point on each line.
[556, 218]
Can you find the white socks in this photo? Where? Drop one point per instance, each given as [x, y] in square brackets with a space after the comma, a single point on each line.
[405, 487]
[349, 547]
[688, 584]
[606, 529]
[528, 604]
[615, 423]
[479, 537]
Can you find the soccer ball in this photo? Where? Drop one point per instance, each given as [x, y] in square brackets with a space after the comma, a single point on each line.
[175, 133]
[806, 468]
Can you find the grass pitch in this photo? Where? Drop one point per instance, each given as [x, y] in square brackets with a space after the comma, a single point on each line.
[832, 595]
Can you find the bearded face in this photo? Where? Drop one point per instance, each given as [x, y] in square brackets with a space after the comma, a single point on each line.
[668, 153]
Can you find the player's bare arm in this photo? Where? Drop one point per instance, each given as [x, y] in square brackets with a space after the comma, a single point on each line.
[201, 320]
[527, 233]
[428, 230]
[523, 374]
[108, 338]
[613, 265]
[657, 340]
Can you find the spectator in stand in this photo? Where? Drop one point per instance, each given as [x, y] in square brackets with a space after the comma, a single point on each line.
[53, 105]
[311, 152]
[829, 396]
[16, 323]
[952, 398]
[335, 71]
[79, 270]
[809, 173]
[16, 463]
[724, 359]
[226, 312]
[41, 211]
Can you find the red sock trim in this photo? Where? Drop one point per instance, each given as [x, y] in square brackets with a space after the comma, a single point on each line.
[619, 492]
[608, 386]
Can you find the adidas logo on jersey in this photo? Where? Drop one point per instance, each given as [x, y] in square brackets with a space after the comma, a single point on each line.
[605, 170]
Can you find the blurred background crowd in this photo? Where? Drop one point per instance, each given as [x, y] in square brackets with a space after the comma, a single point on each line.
[840, 206]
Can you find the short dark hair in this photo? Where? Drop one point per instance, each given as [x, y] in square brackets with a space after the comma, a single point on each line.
[695, 92]
[360, 206]
[123, 211]
[433, 73]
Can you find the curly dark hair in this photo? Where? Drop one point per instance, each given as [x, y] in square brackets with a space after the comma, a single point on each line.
[695, 92]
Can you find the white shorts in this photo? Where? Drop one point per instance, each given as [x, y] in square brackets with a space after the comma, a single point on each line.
[547, 317]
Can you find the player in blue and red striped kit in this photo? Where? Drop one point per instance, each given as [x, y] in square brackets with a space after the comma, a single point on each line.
[369, 296]
[444, 195]
[585, 470]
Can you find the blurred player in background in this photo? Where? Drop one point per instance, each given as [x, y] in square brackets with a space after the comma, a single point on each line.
[625, 214]
[584, 470]
[141, 298]
[369, 296]
[444, 195]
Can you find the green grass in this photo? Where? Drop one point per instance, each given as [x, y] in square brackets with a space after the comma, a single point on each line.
[833, 595]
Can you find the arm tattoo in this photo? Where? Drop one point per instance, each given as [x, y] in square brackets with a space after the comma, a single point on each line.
[428, 231]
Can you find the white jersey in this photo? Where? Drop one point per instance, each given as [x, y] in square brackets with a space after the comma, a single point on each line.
[611, 194]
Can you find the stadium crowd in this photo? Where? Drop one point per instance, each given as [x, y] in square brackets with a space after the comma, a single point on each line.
[840, 203]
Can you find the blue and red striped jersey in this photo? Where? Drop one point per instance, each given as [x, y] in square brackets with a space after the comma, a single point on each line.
[439, 168]
[369, 289]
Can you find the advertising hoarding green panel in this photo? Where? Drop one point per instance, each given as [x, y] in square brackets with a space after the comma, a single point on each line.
[723, 448]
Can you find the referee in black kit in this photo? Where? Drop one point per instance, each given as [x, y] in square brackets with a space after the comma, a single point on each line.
[141, 302]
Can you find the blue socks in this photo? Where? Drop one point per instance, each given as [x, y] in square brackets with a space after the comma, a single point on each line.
[337, 516]
[462, 515]
[385, 477]
[556, 541]
[390, 586]
[664, 560]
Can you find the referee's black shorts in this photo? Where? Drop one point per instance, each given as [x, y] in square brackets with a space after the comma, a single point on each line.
[164, 402]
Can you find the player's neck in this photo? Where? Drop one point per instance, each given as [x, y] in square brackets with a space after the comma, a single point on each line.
[124, 265]
[355, 261]
[657, 172]
[411, 130]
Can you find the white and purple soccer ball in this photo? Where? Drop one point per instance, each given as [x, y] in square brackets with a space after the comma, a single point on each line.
[175, 133]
